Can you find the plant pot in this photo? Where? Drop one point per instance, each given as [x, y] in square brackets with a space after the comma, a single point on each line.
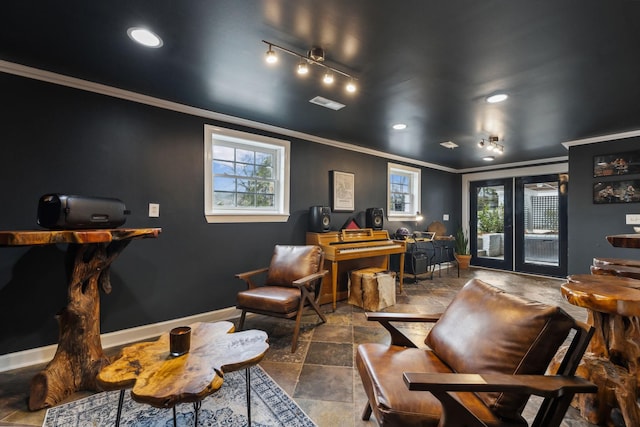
[463, 261]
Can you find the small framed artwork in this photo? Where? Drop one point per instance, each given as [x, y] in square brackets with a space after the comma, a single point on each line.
[616, 164]
[626, 191]
[342, 191]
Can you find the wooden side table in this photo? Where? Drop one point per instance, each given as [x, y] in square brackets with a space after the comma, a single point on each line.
[79, 356]
[163, 381]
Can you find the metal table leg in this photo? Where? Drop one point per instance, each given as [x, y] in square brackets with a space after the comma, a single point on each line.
[248, 382]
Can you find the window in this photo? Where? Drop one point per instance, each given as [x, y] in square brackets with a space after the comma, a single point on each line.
[403, 192]
[246, 177]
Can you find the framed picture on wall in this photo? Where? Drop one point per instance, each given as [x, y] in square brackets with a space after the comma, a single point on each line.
[616, 164]
[342, 191]
[627, 191]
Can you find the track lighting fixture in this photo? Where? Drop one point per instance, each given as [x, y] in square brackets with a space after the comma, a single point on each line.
[491, 145]
[315, 56]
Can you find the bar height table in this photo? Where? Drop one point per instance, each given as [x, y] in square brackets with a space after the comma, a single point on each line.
[79, 356]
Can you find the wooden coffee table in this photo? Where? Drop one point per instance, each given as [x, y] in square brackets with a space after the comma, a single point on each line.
[162, 380]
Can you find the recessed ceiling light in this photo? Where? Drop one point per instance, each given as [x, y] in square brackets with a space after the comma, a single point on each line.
[399, 126]
[498, 97]
[144, 37]
[488, 158]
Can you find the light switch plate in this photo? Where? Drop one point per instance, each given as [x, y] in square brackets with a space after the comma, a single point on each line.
[154, 210]
[445, 217]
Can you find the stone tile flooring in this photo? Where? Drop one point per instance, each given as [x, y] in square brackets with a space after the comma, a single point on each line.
[321, 375]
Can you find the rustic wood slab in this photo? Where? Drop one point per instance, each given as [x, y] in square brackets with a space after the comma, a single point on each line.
[604, 293]
[162, 380]
[49, 237]
[625, 240]
[600, 262]
[617, 270]
[79, 355]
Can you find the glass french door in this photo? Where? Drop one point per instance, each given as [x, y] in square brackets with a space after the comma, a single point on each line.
[541, 224]
[520, 224]
[490, 226]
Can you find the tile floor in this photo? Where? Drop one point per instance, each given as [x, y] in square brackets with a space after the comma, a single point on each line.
[321, 375]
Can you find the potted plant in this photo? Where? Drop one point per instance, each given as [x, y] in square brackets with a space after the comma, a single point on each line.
[462, 253]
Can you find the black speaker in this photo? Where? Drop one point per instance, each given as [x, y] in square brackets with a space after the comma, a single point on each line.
[375, 218]
[319, 219]
[61, 211]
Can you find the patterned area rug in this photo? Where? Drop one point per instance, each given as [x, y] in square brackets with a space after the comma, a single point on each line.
[270, 406]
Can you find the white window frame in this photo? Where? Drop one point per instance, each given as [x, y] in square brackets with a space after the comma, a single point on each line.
[282, 148]
[415, 179]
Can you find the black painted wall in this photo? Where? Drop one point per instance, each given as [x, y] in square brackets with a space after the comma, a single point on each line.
[58, 139]
[590, 223]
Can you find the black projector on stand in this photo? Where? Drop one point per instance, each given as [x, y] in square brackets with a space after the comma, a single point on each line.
[60, 211]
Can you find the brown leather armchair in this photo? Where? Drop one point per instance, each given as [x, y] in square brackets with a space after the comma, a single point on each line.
[293, 281]
[488, 352]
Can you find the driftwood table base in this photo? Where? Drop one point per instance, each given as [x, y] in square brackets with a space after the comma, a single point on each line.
[613, 357]
[79, 356]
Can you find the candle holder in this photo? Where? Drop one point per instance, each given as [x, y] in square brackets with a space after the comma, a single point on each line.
[179, 340]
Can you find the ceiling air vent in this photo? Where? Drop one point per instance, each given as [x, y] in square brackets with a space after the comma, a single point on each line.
[327, 103]
[449, 144]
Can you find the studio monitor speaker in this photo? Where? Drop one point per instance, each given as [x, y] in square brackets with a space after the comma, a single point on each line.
[375, 218]
[319, 219]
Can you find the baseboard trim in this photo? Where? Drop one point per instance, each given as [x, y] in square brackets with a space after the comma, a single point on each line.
[35, 356]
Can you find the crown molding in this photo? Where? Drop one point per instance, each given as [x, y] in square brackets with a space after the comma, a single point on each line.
[601, 138]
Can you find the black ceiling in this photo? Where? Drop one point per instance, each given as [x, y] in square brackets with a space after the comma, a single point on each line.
[572, 69]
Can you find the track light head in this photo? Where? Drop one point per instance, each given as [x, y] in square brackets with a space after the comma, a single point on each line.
[328, 78]
[303, 67]
[271, 57]
[351, 86]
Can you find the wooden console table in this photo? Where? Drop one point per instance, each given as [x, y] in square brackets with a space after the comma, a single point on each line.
[79, 356]
[163, 381]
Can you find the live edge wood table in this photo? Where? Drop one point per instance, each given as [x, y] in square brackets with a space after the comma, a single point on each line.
[79, 356]
[612, 360]
[162, 380]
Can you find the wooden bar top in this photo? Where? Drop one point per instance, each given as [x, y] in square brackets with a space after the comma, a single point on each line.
[605, 294]
[625, 240]
[48, 237]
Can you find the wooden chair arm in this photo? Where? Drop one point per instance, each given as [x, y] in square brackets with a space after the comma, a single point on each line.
[539, 385]
[246, 276]
[303, 281]
[397, 337]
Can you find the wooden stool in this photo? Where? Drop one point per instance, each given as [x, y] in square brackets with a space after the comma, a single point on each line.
[617, 270]
[372, 288]
[600, 262]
